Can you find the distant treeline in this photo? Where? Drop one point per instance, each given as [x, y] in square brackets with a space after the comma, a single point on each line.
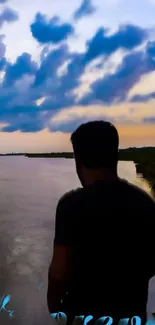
[130, 154]
[11, 154]
[51, 155]
[137, 154]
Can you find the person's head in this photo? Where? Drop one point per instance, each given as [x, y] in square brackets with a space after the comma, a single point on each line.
[95, 146]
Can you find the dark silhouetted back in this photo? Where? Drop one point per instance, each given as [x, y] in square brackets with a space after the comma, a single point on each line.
[110, 226]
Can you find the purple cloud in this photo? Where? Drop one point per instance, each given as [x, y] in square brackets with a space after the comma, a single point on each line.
[8, 15]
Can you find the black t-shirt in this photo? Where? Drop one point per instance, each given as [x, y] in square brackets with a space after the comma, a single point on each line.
[110, 227]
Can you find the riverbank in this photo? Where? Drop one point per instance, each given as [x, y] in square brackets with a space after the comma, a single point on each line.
[147, 171]
[147, 168]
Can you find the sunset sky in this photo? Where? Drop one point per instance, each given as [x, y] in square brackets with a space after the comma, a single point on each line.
[64, 62]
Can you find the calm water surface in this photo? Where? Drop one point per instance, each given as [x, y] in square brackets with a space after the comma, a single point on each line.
[29, 191]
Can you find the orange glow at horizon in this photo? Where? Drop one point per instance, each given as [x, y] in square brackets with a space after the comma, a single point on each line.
[130, 136]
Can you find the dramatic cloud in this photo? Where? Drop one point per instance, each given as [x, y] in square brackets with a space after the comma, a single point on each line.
[150, 66]
[127, 37]
[50, 31]
[115, 87]
[50, 64]
[58, 89]
[8, 15]
[86, 8]
[32, 94]
[23, 65]
[30, 122]
[71, 79]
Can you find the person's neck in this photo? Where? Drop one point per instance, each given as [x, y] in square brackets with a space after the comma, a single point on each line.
[101, 175]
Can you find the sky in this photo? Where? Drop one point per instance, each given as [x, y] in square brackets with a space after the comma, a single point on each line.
[63, 63]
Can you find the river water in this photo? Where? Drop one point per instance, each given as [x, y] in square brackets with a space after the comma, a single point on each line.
[29, 191]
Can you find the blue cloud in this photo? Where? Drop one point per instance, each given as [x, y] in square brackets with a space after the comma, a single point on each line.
[24, 118]
[50, 31]
[149, 66]
[71, 79]
[62, 96]
[142, 98]
[50, 65]
[26, 123]
[58, 89]
[3, 1]
[115, 87]
[23, 65]
[8, 15]
[127, 37]
[86, 8]
[3, 63]
[53, 104]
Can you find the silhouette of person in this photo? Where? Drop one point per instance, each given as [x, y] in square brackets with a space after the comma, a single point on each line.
[104, 236]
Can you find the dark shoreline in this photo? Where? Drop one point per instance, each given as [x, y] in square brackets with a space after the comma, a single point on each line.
[66, 155]
[147, 169]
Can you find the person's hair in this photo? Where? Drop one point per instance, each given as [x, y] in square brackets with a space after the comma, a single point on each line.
[95, 144]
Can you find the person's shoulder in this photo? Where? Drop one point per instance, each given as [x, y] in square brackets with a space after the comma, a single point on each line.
[139, 194]
[70, 197]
